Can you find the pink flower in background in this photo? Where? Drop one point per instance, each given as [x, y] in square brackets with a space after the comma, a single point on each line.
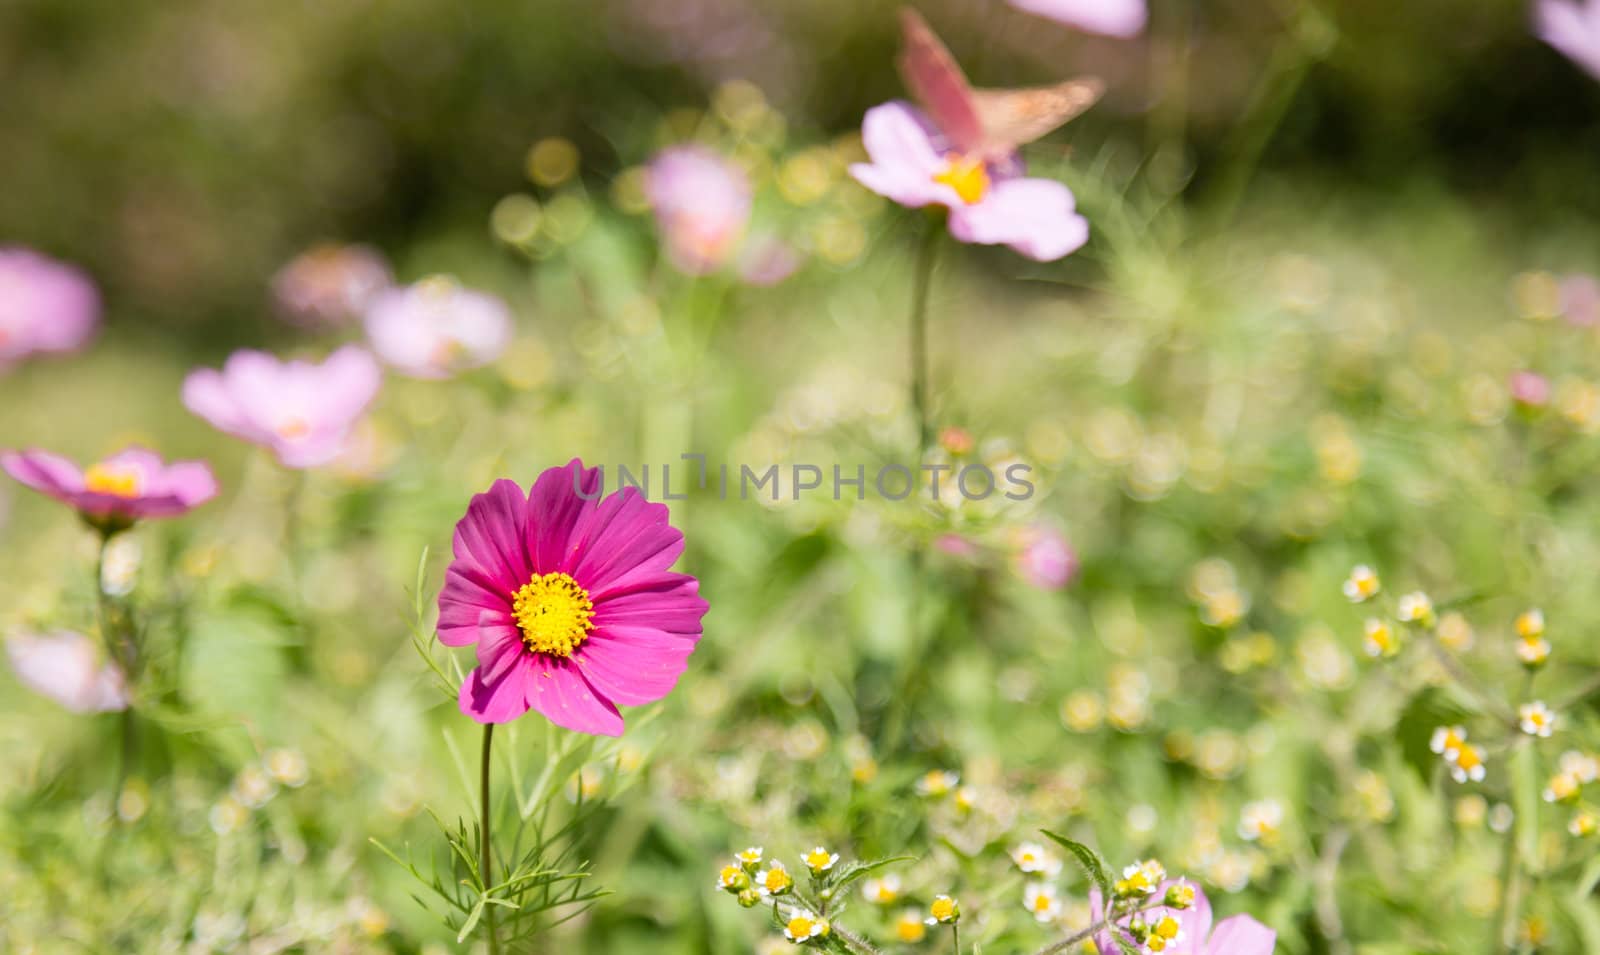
[45, 306]
[702, 205]
[1580, 300]
[1573, 28]
[1042, 557]
[301, 411]
[66, 667]
[570, 601]
[437, 328]
[1530, 389]
[1239, 935]
[330, 284]
[768, 260]
[128, 486]
[988, 204]
[1121, 18]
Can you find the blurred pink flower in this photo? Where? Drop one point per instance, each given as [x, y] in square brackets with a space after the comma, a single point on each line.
[66, 667]
[45, 306]
[988, 204]
[702, 205]
[767, 260]
[1530, 389]
[955, 545]
[111, 494]
[301, 411]
[330, 284]
[1573, 28]
[437, 328]
[1239, 935]
[1580, 300]
[570, 601]
[1042, 557]
[1122, 18]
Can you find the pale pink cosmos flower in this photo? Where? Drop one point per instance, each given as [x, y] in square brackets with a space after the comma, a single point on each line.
[1573, 28]
[330, 284]
[989, 204]
[112, 494]
[702, 205]
[1580, 300]
[45, 306]
[1530, 389]
[1043, 558]
[1239, 935]
[570, 600]
[768, 260]
[67, 667]
[437, 328]
[301, 411]
[1119, 18]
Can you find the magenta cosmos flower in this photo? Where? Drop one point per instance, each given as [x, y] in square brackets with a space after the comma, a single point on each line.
[702, 205]
[1239, 935]
[1573, 28]
[66, 667]
[330, 284]
[45, 306]
[989, 205]
[301, 411]
[437, 328]
[1121, 18]
[570, 601]
[113, 493]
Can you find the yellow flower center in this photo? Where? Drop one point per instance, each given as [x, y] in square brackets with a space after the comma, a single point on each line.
[943, 909]
[967, 176]
[555, 614]
[777, 880]
[909, 929]
[112, 480]
[292, 429]
[1041, 902]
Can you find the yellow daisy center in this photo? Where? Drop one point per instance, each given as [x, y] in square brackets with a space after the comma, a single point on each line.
[554, 612]
[943, 909]
[967, 176]
[112, 480]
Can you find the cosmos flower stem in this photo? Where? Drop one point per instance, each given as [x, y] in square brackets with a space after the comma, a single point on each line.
[119, 644]
[300, 651]
[485, 861]
[922, 282]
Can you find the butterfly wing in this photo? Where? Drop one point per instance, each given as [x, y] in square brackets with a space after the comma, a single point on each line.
[1013, 118]
[937, 83]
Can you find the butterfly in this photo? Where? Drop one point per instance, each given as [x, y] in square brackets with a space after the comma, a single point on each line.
[987, 125]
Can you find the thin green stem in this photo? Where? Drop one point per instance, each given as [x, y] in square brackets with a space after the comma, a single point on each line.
[120, 646]
[955, 937]
[485, 861]
[922, 282]
[1055, 948]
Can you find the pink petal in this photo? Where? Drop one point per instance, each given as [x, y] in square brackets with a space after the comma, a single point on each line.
[628, 668]
[492, 536]
[559, 497]
[45, 472]
[670, 602]
[904, 158]
[625, 538]
[498, 701]
[557, 689]
[468, 607]
[1119, 18]
[1036, 217]
[1241, 935]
